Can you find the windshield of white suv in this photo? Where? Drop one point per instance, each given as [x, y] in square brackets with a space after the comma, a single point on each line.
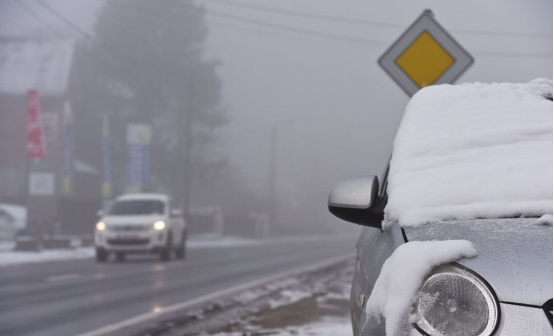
[136, 207]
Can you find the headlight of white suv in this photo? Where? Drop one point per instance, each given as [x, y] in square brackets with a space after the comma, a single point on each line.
[455, 301]
[159, 225]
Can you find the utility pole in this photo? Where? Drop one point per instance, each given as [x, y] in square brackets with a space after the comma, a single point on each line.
[188, 145]
[315, 200]
[272, 198]
[273, 203]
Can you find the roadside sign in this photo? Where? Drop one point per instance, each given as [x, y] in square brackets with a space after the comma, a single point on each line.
[67, 152]
[35, 139]
[139, 138]
[106, 158]
[41, 184]
[425, 54]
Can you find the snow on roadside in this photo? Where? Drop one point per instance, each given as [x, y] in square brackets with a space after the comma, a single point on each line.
[287, 297]
[315, 303]
[9, 257]
[402, 275]
[213, 241]
[324, 327]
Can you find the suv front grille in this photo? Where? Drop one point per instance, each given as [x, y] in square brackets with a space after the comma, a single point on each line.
[129, 227]
[128, 241]
[548, 310]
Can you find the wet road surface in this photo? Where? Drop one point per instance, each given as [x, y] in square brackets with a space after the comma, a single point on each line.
[72, 297]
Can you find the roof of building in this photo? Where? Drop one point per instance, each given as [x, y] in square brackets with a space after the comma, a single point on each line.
[41, 64]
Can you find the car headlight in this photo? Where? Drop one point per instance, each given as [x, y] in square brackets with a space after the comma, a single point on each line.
[159, 225]
[456, 301]
[100, 226]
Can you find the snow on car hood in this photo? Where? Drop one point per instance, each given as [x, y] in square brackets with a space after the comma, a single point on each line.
[402, 275]
[515, 254]
[472, 151]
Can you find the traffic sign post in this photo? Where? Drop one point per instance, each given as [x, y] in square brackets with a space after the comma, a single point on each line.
[425, 54]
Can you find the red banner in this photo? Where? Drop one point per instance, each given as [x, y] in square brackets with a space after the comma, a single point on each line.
[35, 140]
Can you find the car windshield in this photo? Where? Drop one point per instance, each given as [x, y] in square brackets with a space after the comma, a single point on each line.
[136, 207]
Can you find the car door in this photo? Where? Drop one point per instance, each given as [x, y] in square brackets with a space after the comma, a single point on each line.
[373, 248]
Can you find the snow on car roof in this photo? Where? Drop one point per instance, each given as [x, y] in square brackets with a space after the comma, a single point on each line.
[473, 151]
[161, 197]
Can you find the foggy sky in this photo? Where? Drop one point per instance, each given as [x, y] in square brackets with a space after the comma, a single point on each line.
[335, 108]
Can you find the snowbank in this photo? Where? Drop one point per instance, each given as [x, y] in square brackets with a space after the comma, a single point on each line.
[473, 151]
[325, 327]
[8, 258]
[403, 274]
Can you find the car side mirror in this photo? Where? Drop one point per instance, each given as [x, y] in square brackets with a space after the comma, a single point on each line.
[176, 213]
[100, 213]
[357, 200]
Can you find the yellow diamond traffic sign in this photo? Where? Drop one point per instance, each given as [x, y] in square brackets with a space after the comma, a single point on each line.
[425, 55]
[424, 60]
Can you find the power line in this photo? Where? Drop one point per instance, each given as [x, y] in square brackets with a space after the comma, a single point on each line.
[127, 58]
[311, 33]
[38, 17]
[237, 26]
[381, 24]
[261, 23]
[341, 38]
[335, 37]
[307, 15]
[62, 18]
[286, 28]
[503, 34]
[512, 54]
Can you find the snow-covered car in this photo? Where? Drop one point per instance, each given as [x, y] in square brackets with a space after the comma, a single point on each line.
[12, 220]
[141, 223]
[458, 236]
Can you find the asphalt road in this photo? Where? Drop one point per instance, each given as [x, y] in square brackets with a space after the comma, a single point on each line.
[73, 297]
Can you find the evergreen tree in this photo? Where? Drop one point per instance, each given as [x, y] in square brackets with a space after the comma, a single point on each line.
[149, 68]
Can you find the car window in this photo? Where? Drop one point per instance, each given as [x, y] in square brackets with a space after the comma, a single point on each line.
[136, 207]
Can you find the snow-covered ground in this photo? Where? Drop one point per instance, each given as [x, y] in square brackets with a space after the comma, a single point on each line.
[314, 303]
[9, 257]
[323, 327]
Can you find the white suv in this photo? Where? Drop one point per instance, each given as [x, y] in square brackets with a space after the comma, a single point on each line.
[140, 223]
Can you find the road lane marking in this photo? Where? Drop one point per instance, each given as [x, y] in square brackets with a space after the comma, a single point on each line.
[111, 328]
[63, 277]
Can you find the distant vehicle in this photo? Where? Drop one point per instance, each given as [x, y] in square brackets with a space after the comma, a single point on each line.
[12, 221]
[470, 162]
[141, 223]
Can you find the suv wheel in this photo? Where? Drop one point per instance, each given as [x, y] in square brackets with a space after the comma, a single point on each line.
[165, 255]
[181, 250]
[101, 254]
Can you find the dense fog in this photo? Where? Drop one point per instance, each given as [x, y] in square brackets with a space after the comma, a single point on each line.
[256, 109]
